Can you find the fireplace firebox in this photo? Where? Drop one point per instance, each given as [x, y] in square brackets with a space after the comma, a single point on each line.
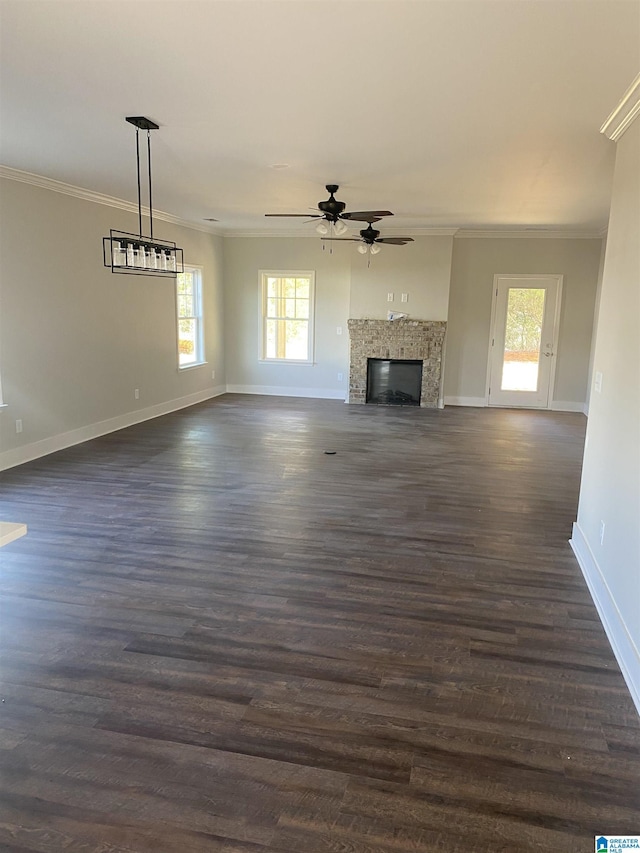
[394, 381]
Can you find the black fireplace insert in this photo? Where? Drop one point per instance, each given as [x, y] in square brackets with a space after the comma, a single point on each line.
[394, 381]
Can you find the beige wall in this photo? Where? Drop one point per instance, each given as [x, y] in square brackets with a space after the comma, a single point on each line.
[421, 269]
[610, 490]
[475, 262]
[244, 258]
[76, 339]
[345, 287]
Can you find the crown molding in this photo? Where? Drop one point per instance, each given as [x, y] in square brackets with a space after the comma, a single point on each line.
[624, 114]
[531, 233]
[388, 232]
[100, 198]
[271, 232]
[416, 231]
[419, 231]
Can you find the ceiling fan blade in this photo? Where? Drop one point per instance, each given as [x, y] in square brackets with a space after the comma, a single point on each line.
[365, 215]
[343, 239]
[395, 241]
[306, 215]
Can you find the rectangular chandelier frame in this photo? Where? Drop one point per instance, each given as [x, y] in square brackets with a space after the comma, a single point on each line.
[135, 254]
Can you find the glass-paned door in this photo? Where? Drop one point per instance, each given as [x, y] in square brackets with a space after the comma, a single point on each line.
[524, 337]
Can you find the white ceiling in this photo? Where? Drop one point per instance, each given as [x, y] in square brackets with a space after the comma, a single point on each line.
[479, 114]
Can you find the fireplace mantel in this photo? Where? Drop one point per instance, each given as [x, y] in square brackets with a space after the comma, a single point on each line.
[406, 339]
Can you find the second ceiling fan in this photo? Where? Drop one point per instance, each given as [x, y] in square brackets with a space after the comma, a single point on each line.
[370, 239]
[332, 214]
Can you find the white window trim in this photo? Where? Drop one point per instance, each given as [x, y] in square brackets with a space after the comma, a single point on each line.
[201, 354]
[262, 294]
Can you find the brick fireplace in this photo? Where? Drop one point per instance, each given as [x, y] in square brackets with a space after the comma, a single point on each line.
[397, 339]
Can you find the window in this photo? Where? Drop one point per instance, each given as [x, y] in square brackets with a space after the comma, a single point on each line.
[189, 307]
[287, 316]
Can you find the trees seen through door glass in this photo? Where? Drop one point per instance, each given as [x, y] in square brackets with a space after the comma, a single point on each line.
[523, 334]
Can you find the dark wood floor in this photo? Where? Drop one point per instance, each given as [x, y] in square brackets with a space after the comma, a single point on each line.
[216, 637]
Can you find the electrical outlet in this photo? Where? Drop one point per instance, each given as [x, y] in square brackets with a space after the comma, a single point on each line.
[338, 330]
[597, 385]
[389, 297]
[602, 532]
[404, 297]
[19, 425]
[213, 374]
[339, 377]
[136, 393]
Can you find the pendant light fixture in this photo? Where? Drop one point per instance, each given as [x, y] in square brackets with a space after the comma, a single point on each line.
[138, 254]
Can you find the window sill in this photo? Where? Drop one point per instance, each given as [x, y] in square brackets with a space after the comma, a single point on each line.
[285, 361]
[182, 367]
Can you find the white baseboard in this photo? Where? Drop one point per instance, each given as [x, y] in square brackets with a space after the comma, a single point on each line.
[476, 402]
[480, 402]
[10, 531]
[285, 391]
[624, 648]
[28, 452]
[568, 406]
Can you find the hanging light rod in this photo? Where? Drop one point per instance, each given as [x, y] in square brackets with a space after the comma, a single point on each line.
[138, 254]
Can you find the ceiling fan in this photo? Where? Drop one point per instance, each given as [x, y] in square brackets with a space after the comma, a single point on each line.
[332, 214]
[370, 238]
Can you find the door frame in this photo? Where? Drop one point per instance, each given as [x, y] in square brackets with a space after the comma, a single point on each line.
[556, 330]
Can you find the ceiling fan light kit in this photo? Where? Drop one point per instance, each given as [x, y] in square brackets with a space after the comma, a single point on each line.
[138, 254]
[336, 228]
